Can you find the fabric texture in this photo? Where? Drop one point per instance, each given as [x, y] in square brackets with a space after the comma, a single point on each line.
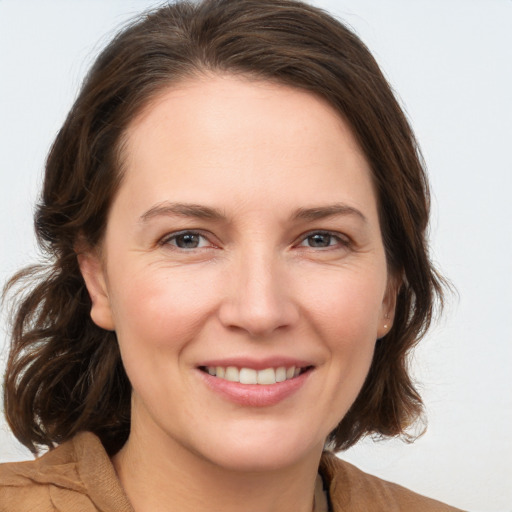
[352, 490]
[78, 476]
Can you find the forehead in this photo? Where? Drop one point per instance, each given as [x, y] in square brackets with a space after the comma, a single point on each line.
[246, 135]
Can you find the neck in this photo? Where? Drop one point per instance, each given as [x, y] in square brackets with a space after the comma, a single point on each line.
[159, 475]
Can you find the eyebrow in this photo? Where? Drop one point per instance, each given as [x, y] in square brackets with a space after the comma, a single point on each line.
[322, 212]
[168, 209]
[198, 211]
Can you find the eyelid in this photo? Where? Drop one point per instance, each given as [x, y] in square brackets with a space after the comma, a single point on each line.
[343, 239]
[166, 239]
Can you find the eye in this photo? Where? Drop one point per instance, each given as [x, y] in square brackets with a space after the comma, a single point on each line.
[186, 240]
[323, 239]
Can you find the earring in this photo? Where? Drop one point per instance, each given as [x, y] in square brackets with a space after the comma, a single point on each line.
[387, 318]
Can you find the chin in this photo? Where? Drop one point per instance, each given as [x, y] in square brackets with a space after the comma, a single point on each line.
[257, 460]
[262, 453]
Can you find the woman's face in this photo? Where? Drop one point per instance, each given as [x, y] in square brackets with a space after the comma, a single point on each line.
[244, 242]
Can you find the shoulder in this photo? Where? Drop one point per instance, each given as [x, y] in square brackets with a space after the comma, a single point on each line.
[353, 490]
[70, 477]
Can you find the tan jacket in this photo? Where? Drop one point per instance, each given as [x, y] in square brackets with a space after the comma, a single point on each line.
[79, 477]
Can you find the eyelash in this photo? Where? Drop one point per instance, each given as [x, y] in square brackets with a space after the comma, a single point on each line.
[340, 239]
[337, 237]
[174, 236]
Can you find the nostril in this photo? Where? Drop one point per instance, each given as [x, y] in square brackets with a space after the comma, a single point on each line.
[258, 321]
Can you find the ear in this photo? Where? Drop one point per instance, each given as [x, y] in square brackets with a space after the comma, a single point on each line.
[389, 306]
[93, 273]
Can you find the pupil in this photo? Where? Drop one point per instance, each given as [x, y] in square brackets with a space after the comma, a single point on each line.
[188, 241]
[320, 240]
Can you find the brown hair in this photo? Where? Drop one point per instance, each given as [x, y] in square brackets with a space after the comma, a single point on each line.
[64, 373]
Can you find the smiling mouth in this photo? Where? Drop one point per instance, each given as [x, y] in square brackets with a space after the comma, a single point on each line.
[265, 377]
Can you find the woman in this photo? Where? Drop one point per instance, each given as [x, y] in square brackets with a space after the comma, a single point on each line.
[235, 212]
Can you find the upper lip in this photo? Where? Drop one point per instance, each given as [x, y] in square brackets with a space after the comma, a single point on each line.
[256, 364]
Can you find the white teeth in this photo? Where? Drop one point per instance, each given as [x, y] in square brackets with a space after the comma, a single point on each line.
[232, 374]
[281, 374]
[267, 376]
[250, 376]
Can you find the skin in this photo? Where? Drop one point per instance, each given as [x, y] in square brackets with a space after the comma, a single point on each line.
[258, 285]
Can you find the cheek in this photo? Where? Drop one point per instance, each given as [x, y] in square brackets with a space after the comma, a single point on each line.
[347, 306]
[159, 309]
[157, 316]
[346, 315]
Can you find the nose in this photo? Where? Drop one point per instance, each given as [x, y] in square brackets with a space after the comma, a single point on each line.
[258, 298]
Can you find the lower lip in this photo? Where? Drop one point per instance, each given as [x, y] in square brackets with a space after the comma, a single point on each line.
[255, 395]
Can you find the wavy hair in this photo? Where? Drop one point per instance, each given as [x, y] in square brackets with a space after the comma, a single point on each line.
[64, 373]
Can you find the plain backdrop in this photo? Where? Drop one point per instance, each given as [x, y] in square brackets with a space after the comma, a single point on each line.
[450, 62]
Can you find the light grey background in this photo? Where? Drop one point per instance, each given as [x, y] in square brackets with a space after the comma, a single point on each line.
[451, 63]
